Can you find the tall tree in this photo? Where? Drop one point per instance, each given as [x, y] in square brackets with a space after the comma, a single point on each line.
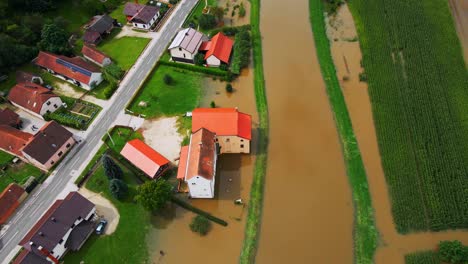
[453, 252]
[111, 169]
[153, 195]
[118, 188]
[54, 39]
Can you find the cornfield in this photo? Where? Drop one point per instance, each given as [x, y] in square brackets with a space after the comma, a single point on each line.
[425, 257]
[419, 91]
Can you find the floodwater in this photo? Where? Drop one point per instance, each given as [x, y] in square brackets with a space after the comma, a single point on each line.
[459, 10]
[171, 232]
[347, 56]
[308, 212]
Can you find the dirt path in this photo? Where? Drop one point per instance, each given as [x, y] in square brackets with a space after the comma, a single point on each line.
[161, 134]
[347, 56]
[459, 10]
[104, 208]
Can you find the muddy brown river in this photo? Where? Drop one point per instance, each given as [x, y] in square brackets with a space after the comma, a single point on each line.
[307, 213]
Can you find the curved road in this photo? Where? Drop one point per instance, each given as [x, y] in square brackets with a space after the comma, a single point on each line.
[63, 177]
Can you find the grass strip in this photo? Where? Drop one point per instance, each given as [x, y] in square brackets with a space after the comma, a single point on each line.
[252, 227]
[365, 233]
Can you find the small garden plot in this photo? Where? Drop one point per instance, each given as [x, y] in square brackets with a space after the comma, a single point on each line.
[85, 109]
[78, 114]
[17, 173]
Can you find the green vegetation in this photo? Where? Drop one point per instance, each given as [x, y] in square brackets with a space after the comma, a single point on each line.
[111, 169]
[194, 68]
[93, 161]
[453, 252]
[127, 244]
[161, 99]
[154, 195]
[241, 53]
[425, 257]
[200, 224]
[252, 227]
[133, 47]
[78, 114]
[17, 173]
[365, 233]
[5, 158]
[120, 136]
[417, 88]
[118, 188]
[118, 14]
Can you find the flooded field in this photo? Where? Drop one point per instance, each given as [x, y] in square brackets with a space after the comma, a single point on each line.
[347, 56]
[459, 10]
[308, 213]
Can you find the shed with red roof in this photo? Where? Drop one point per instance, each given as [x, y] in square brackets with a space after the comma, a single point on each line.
[95, 56]
[10, 199]
[218, 50]
[145, 158]
[233, 128]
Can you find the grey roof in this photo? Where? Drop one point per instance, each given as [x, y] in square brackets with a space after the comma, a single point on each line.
[47, 141]
[188, 39]
[28, 257]
[145, 14]
[102, 24]
[79, 235]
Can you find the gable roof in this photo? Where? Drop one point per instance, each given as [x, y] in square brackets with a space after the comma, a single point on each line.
[188, 39]
[30, 96]
[9, 200]
[75, 68]
[47, 141]
[91, 37]
[9, 117]
[132, 9]
[182, 162]
[56, 222]
[101, 24]
[28, 257]
[22, 76]
[201, 155]
[93, 54]
[13, 140]
[223, 122]
[220, 46]
[145, 14]
[143, 157]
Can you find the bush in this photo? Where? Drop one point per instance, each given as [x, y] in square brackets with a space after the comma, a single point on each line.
[453, 252]
[200, 224]
[241, 54]
[199, 59]
[229, 88]
[213, 104]
[118, 188]
[110, 89]
[206, 70]
[223, 67]
[207, 21]
[362, 77]
[111, 169]
[229, 31]
[242, 10]
[168, 79]
[112, 72]
[153, 195]
[173, 2]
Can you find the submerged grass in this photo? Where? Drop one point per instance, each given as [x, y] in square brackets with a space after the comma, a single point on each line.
[365, 232]
[252, 228]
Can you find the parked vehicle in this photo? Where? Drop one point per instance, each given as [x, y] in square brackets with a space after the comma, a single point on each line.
[48, 86]
[101, 226]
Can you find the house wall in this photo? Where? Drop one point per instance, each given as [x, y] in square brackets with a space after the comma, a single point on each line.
[233, 144]
[106, 61]
[183, 54]
[146, 26]
[199, 187]
[55, 158]
[212, 61]
[95, 77]
[27, 110]
[51, 105]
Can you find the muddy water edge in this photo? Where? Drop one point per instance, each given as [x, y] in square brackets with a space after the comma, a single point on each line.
[308, 213]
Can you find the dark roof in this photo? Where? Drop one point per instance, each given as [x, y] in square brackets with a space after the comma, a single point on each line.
[91, 37]
[131, 9]
[9, 200]
[102, 24]
[9, 117]
[79, 235]
[47, 141]
[145, 14]
[22, 76]
[27, 257]
[57, 221]
[30, 96]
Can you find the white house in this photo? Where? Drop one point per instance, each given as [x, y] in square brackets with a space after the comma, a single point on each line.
[198, 164]
[185, 45]
[141, 16]
[34, 99]
[218, 50]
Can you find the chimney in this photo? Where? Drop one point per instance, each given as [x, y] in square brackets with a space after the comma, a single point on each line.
[41, 234]
[53, 219]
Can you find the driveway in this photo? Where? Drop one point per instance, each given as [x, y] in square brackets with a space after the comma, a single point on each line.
[30, 121]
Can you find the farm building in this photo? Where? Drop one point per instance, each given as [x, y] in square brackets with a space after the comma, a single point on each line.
[98, 28]
[185, 45]
[145, 158]
[34, 99]
[95, 56]
[217, 50]
[10, 199]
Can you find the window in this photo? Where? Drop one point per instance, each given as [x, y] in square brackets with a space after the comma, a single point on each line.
[48, 111]
[55, 106]
[52, 162]
[227, 139]
[242, 145]
[60, 153]
[68, 145]
[193, 183]
[180, 49]
[184, 55]
[144, 26]
[48, 103]
[52, 252]
[61, 241]
[135, 24]
[242, 140]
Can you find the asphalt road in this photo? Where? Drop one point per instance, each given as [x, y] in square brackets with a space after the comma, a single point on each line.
[65, 173]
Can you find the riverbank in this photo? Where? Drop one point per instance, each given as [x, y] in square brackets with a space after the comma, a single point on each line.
[365, 232]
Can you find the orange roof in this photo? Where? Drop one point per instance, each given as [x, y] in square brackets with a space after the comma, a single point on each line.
[9, 201]
[93, 54]
[143, 157]
[223, 122]
[13, 140]
[182, 162]
[201, 155]
[220, 46]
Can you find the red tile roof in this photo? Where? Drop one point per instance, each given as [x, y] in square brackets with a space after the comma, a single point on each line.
[30, 96]
[220, 46]
[223, 122]
[13, 140]
[201, 155]
[182, 162]
[93, 54]
[75, 68]
[143, 157]
[9, 117]
[9, 201]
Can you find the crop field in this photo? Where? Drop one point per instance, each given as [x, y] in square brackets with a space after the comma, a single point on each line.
[426, 257]
[418, 86]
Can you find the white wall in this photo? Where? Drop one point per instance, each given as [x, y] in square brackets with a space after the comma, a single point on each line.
[146, 26]
[179, 53]
[95, 77]
[212, 61]
[200, 187]
[51, 105]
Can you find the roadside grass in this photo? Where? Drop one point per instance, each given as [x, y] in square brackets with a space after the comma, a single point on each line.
[254, 217]
[168, 100]
[423, 257]
[365, 232]
[120, 136]
[5, 157]
[184, 127]
[124, 51]
[18, 173]
[127, 244]
[93, 161]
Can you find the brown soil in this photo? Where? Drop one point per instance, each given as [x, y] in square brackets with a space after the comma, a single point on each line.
[308, 212]
[459, 10]
[347, 57]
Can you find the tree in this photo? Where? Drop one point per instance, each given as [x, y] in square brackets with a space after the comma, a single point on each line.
[168, 80]
[153, 195]
[213, 104]
[112, 72]
[54, 39]
[13, 53]
[218, 12]
[453, 252]
[241, 10]
[118, 188]
[229, 88]
[199, 59]
[207, 21]
[200, 224]
[111, 169]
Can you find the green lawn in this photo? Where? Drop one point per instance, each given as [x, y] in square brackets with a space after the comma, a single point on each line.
[127, 244]
[124, 51]
[120, 136]
[119, 15]
[18, 173]
[5, 157]
[168, 100]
